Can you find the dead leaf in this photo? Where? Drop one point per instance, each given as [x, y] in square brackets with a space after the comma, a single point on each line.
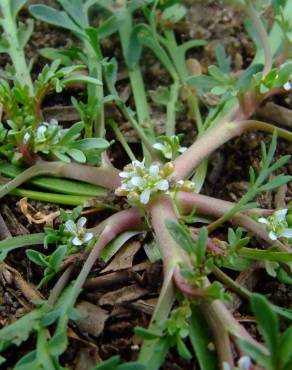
[124, 257]
[125, 294]
[37, 217]
[92, 318]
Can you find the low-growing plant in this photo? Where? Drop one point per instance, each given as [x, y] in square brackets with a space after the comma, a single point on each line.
[160, 186]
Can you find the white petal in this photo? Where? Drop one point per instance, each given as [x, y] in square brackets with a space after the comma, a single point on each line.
[163, 185]
[26, 137]
[125, 175]
[87, 237]
[182, 149]
[139, 164]
[263, 220]
[154, 170]
[145, 196]
[168, 154]
[244, 363]
[137, 181]
[286, 233]
[71, 226]
[287, 86]
[158, 146]
[81, 222]
[77, 241]
[280, 214]
[226, 366]
[272, 235]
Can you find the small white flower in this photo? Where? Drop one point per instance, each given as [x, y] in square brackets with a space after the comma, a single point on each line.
[163, 185]
[287, 86]
[182, 149]
[78, 232]
[244, 363]
[145, 196]
[277, 225]
[26, 137]
[154, 170]
[169, 147]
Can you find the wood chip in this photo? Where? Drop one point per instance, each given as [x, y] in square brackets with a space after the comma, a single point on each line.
[119, 296]
[92, 318]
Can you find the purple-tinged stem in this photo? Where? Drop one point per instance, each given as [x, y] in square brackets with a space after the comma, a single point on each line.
[117, 223]
[213, 138]
[107, 177]
[216, 208]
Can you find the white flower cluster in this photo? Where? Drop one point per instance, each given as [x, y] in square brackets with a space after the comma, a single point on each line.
[140, 182]
[244, 363]
[78, 233]
[277, 225]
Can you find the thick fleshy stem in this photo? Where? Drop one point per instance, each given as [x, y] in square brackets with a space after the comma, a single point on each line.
[161, 209]
[221, 321]
[117, 223]
[107, 177]
[205, 205]
[112, 227]
[213, 138]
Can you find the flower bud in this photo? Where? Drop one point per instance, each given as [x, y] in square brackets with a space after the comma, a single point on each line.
[167, 169]
[188, 186]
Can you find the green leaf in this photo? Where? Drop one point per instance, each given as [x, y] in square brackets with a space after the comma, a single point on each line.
[181, 235]
[285, 353]
[24, 32]
[146, 333]
[255, 353]
[223, 60]
[108, 27]
[18, 242]
[131, 366]
[92, 143]
[76, 11]
[73, 132]
[217, 74]
[201, 244]
[58, 344]
[16, 5]
[268, 323]
[77, 155]
[37, 257]
[81, 78]
[57, 257]
[275, 183]
[200, 339]
[182, 349]
[54, 17]
[19, 331]
[174, 13]
[111, 249]
[109, 364]
[202, 82]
